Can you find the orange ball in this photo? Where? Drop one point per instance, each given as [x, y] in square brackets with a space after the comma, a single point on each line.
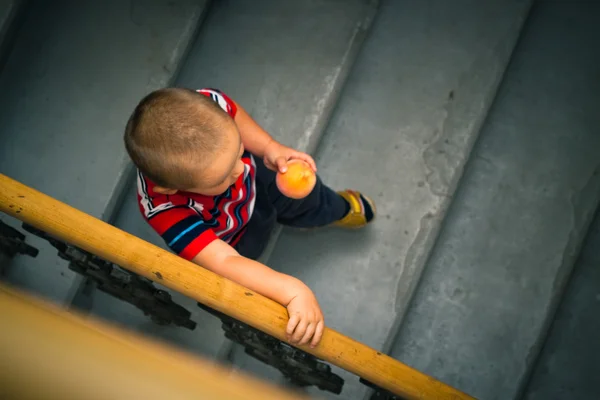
[298, 181]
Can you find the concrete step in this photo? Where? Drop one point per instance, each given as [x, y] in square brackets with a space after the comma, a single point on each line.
[517, 222]
[401, 133]
[11, 12]
[285, 62]
[566, 368]
[75, 72]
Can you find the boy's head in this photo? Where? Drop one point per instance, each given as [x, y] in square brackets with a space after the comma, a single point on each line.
[182, 140]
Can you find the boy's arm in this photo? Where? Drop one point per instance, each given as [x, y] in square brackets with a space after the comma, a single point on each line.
[254, 138]
[258, 142]
[306, 319]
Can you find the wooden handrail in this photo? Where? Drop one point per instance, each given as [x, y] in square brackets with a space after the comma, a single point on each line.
[47, 353]
[204, 286]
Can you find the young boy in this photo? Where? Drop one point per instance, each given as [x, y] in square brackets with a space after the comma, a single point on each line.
[206, 184]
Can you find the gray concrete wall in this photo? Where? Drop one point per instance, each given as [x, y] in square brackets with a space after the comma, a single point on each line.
[520, 215]
[76, 71]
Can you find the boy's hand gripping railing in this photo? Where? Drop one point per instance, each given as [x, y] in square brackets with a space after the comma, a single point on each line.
[154, 263]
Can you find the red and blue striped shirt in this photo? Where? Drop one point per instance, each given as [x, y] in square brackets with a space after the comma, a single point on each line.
[188, 222]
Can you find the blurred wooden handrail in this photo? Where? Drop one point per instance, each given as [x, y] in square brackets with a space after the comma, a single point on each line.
[47, 353]
[91, 234]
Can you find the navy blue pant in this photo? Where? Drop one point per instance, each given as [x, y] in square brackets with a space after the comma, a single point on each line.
[321, 207]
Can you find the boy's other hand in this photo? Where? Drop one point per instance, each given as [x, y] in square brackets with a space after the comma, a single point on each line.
[276, 157]
[306, 322]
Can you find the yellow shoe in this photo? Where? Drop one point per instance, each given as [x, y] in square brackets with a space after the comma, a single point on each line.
[362, 210]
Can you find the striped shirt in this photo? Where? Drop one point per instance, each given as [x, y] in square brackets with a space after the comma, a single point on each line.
[188, 222]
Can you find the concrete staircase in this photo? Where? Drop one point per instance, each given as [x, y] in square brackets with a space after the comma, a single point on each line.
[510, 240]
[401, 133]
[460, 275]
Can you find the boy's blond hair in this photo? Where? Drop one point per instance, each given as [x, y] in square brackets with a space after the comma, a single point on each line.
[173, 133]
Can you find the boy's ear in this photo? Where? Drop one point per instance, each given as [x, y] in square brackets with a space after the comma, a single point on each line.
[162, 190]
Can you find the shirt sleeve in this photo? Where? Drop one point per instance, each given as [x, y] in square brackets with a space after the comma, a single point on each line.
[183, 230]
[221, 99]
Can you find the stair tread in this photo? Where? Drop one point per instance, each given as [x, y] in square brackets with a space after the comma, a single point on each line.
[76, 71]
[519, 217]
[401, 132]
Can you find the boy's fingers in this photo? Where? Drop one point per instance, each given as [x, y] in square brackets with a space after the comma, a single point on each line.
[294, 319]
[269, 164]
[308, 159]
[310, 330]
[300, 331]
[312, 163]
[281, 164]
[318, 334]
